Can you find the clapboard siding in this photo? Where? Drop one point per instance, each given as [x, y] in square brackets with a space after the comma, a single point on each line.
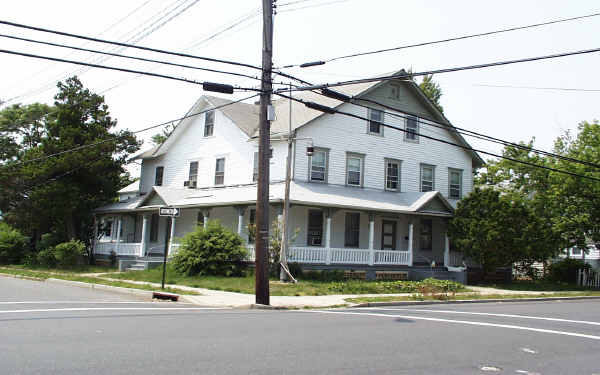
[341, 134]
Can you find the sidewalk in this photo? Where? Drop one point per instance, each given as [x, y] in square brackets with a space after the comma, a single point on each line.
[217, 298]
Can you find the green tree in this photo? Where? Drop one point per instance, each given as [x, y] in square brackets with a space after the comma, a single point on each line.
[495, 230]
[40, 193]
[160, 138]
[432, 90]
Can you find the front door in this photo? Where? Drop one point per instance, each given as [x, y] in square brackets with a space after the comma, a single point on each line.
[388, 235]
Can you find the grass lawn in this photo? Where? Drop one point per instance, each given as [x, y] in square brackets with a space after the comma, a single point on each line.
[71, 275]
[246, 284]
[467, 296]
[537, 285]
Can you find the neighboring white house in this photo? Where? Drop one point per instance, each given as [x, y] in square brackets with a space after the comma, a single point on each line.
[590, 256]
[369, 198]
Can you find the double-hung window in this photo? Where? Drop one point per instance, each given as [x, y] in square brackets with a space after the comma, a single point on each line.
[375, 122]
[427, 177]
[255, 167]
[454, 183]
[318, 166]
[209, 123]
[158, 177]
[392, 174]
[426, 234]
[352, 232]
[354, 169]
[220, 171]
[193, 175]
[412, 129]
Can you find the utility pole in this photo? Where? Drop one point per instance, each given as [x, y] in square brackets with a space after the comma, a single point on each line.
[286, 200]
[262, 199]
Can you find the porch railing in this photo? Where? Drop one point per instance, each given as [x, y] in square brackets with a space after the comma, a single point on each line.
[324, 255]
[124, 248]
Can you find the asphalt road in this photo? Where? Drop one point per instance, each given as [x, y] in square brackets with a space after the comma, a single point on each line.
[56, 329]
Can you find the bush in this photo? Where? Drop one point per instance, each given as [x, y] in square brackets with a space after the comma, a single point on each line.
[46, 257]
[324, 275]
[68, 254]
[12, 245]
[47, 240]
[566, 270]
[214, 250]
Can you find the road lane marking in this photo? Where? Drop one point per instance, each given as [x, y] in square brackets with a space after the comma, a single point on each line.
[79, 302]
[491, 314]
[484, 324]
[113, 309]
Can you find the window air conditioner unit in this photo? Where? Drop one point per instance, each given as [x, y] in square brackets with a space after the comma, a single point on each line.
[190, 184]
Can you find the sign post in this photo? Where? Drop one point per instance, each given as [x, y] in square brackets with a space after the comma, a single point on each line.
[169, 212]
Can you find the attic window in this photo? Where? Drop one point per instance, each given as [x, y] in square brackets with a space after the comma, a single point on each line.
[394, 92]
[209, 123]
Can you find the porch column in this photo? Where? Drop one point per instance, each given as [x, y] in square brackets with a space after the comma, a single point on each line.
[446, 251]
[205, 214]
[410, 243]
[119, 224]
[328, 214]
[240, 210]
[172, 233]
[143, 244]
[371, 239]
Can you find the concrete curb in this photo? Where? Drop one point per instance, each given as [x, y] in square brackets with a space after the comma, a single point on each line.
[22, 277]
[464, 301]
[116, 289]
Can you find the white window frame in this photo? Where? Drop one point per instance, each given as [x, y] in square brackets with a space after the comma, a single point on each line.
[386, 170]
[380, 122]
[162, 175]
[192, 177]
[219, 174]
[361, 171]
[421, 179]
[209, 125]
[411, 135]
[450, 184]
[255, 167]
[326, 166]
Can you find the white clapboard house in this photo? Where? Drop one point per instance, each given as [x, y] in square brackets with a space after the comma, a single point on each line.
[369, 198]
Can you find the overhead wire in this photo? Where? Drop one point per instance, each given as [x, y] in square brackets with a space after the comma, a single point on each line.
[335, 111]
[462, 37]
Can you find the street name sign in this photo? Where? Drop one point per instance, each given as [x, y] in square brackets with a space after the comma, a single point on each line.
[168, 211]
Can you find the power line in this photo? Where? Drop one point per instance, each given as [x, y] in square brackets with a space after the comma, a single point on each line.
[127, 56]
[446, 70]
[538, 88]
[116, 69]
[133, 132]
[150, 49]
[462, 37]
[330, 110]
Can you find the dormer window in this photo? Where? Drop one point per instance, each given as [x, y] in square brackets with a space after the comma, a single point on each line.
[375, 125]
[158, 177]
[209, 123]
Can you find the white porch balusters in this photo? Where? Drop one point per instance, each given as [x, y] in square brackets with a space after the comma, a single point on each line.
[410, 243]
[119, 225]
[172, 234]
[240, 210]
[144, 235]
[205, 214]
[328, 215]
[446, 251]
[371, 239]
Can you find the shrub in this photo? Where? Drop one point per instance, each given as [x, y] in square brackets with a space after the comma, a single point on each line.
[324, 275]
[214, 250]
[68, 254]
[12, 244]
[47, 240]
[565, 270]
[46, 257]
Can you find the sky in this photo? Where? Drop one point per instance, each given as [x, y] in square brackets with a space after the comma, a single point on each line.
[312, 30]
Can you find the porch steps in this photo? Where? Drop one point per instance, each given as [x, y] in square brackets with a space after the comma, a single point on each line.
[142, 264]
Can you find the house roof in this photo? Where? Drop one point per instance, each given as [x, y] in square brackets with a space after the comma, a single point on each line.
[134, 187]
[312, 194]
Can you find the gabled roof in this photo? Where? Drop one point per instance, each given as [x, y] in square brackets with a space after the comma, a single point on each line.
[134, 187]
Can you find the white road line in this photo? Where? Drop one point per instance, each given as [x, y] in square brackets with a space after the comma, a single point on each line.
[490, 314]
[508, 326]
[113, 309]
[80, 302]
